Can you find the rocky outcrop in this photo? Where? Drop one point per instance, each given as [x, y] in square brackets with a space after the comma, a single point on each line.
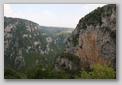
[21, 37]
[93, 41]
[94, 38]
[67, 61]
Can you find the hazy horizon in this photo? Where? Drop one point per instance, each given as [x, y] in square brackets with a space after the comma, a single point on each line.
[51, 15]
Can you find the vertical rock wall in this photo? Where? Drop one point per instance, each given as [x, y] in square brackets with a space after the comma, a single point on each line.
[94, 38]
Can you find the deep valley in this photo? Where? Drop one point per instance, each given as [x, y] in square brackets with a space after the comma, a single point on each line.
[88, 51]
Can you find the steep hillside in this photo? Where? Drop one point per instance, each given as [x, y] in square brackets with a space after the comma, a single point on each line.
[93, 40]
[39, 52]
[23, 42]
[26, 44]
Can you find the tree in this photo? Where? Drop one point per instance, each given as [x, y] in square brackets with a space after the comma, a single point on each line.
[98, 72]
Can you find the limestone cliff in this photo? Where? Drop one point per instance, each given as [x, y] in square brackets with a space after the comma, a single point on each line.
[95, 36]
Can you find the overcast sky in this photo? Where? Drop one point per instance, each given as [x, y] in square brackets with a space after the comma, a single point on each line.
[59, 15]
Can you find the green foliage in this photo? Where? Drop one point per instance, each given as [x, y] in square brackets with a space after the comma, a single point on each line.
[37, 72]
[30, 58]
[60, 75]
[93, 18]
[55, 31]
[11, 74]
[23, 37]
[98, 72]
[65, 33]
[75, 39]
[45, 72]
[76, 62]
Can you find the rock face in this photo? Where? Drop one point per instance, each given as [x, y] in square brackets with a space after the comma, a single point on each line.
[71, 62]
[27, 44]
[21, 37]
[94, 38]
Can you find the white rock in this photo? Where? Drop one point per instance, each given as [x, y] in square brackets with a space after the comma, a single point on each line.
[49, 39]
[29, 47]
[36, 43]
[25, 35]
[43, 33]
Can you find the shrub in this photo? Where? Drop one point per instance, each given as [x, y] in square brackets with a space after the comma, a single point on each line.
[93, 18]
[11, 74]
[41, 72]
[98, 72]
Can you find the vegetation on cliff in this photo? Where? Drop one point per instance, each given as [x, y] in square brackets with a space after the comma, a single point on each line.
[98, 72]
[46, 72]
[33, 51]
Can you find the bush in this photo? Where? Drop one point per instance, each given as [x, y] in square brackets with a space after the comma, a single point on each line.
[41, 72]
[11, 74]
[98, 72]
[93, 18]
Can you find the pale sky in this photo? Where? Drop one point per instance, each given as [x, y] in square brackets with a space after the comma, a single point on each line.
[59, 15]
